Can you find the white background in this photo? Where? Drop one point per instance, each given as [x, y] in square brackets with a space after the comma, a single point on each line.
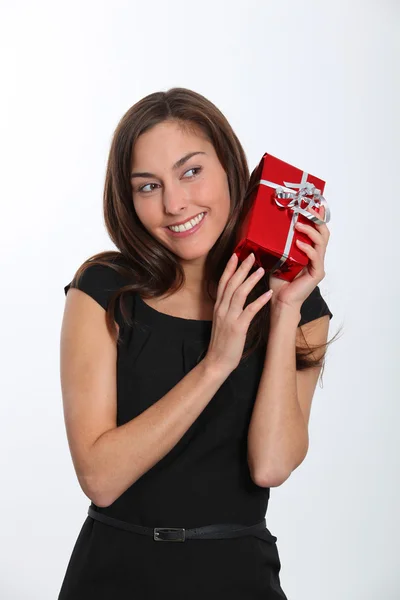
[314, 83]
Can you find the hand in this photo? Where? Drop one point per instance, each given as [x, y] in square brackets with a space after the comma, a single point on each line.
[231, 322]
[293, 293]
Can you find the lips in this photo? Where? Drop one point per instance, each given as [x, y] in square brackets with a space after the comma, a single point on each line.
[187, 232]
[187, 220]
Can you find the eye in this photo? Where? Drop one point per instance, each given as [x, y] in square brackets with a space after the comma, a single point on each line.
[194, 169]
[197, 169]
[141, 189]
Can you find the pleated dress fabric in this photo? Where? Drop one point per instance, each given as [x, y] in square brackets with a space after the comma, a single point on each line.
[204, 479]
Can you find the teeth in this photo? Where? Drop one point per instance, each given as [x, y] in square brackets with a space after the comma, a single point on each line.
[187, 225]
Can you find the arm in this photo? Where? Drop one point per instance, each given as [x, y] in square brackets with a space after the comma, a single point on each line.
[146, 439]
[278, 432]
[109, 459]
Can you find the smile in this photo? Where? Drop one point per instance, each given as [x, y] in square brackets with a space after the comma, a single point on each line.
[189, 224]
[188, 228]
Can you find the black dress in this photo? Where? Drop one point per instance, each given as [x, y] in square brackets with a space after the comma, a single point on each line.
[204, 479]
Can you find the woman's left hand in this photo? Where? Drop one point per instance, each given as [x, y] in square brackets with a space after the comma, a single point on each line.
[293, 293]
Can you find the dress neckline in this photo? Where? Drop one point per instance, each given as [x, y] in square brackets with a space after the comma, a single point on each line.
[156, 315]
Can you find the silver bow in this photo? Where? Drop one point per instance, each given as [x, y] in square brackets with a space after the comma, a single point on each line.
[307, 192]
[304, 192]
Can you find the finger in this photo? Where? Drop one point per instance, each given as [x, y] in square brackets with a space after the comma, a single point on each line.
[230, 268]
[241, 272]
[312, 233]
[253, 308]
[235, 281]
[239, 296]
[320, 215]
[316, 259]
[307, 248]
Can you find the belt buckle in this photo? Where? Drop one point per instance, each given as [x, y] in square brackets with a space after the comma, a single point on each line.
[169, 534]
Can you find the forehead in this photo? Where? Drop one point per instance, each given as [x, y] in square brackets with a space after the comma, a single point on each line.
[166, 142]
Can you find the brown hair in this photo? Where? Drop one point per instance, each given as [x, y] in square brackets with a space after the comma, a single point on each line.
[152, 269]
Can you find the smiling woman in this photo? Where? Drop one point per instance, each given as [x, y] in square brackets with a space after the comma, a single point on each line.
[157, 391]
[195, 184]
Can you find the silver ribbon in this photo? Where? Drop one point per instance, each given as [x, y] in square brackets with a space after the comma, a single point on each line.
[307, 192]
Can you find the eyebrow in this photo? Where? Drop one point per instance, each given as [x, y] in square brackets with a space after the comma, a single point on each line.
[178, 164]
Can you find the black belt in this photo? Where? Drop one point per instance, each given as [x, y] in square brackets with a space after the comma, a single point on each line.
[180, 534]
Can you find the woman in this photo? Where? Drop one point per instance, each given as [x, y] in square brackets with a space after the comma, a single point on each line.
[172, 398]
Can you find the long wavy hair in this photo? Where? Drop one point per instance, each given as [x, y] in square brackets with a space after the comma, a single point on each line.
[150, 268]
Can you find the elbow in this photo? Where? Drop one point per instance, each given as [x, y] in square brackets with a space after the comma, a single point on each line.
[102, 503]
[271, 479]
[275, 477]
[95, 492]
[102, 497]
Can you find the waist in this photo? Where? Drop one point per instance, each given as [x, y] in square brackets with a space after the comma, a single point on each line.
[181, 534]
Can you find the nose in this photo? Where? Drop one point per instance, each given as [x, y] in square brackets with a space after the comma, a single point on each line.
[175, 199]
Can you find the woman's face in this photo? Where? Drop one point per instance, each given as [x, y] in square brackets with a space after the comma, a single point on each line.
[170, 190]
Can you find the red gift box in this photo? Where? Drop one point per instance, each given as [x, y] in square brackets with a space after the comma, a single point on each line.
[279, 195]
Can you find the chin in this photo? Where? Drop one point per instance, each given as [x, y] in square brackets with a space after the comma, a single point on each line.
[195, 258]
[192, 255]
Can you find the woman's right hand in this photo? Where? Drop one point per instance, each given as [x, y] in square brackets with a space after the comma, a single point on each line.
[230, 321]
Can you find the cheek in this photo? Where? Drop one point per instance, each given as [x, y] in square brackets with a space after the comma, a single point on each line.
[216, 196]
[222, 200]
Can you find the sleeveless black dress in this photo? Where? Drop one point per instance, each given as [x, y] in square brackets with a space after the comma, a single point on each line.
[204, 479]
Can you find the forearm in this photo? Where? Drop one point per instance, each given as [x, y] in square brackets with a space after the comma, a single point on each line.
[123, 454]
[277, 435]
